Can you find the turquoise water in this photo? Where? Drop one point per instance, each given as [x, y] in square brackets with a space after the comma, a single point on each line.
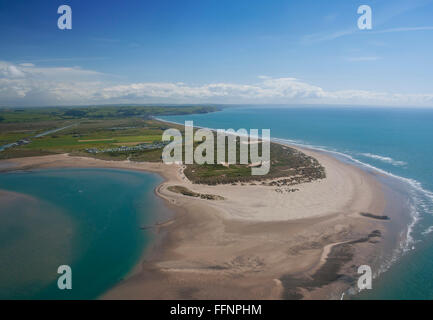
[395, 141]
[88, 219]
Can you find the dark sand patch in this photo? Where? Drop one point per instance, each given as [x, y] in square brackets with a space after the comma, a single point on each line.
[329, 272]
[374, 216]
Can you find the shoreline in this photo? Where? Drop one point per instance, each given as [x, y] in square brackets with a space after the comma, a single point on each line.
[184, 259]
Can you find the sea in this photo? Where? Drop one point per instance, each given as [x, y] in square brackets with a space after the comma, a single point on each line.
[395, 143]
[92, 220]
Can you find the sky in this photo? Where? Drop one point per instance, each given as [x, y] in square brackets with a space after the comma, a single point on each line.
[216, 51]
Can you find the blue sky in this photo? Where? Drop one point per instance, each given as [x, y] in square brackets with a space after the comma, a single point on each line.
[205, 51]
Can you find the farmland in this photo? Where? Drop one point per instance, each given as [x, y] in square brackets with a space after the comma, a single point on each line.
[86, 128]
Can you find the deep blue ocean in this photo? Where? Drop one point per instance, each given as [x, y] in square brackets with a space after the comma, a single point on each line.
[395, 141]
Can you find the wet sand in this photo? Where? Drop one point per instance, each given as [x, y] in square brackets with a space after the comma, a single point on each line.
[256, 243]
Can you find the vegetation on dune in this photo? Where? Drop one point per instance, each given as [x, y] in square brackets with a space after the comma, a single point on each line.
[294, 166]
[186, 192]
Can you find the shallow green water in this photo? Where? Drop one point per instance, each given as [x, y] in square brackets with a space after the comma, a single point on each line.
[88, 219]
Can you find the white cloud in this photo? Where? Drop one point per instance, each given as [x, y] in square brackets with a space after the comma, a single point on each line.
[356, 59]
[404, 29]
[10, 71]
[32, 85]
[323, 36]
[320, 37]
[27, 64]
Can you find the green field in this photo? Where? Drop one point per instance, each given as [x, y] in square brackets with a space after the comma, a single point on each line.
[102, 127]
[100, 134]
[14, 115]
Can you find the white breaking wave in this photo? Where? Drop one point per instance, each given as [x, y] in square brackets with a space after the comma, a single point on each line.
[427, 231]
[384, 159]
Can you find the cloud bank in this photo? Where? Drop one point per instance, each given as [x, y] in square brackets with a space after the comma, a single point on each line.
[29, 85]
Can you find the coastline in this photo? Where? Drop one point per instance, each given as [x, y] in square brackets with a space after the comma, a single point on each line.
[228, 249]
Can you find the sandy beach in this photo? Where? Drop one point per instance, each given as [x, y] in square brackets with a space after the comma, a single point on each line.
[257, 243]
